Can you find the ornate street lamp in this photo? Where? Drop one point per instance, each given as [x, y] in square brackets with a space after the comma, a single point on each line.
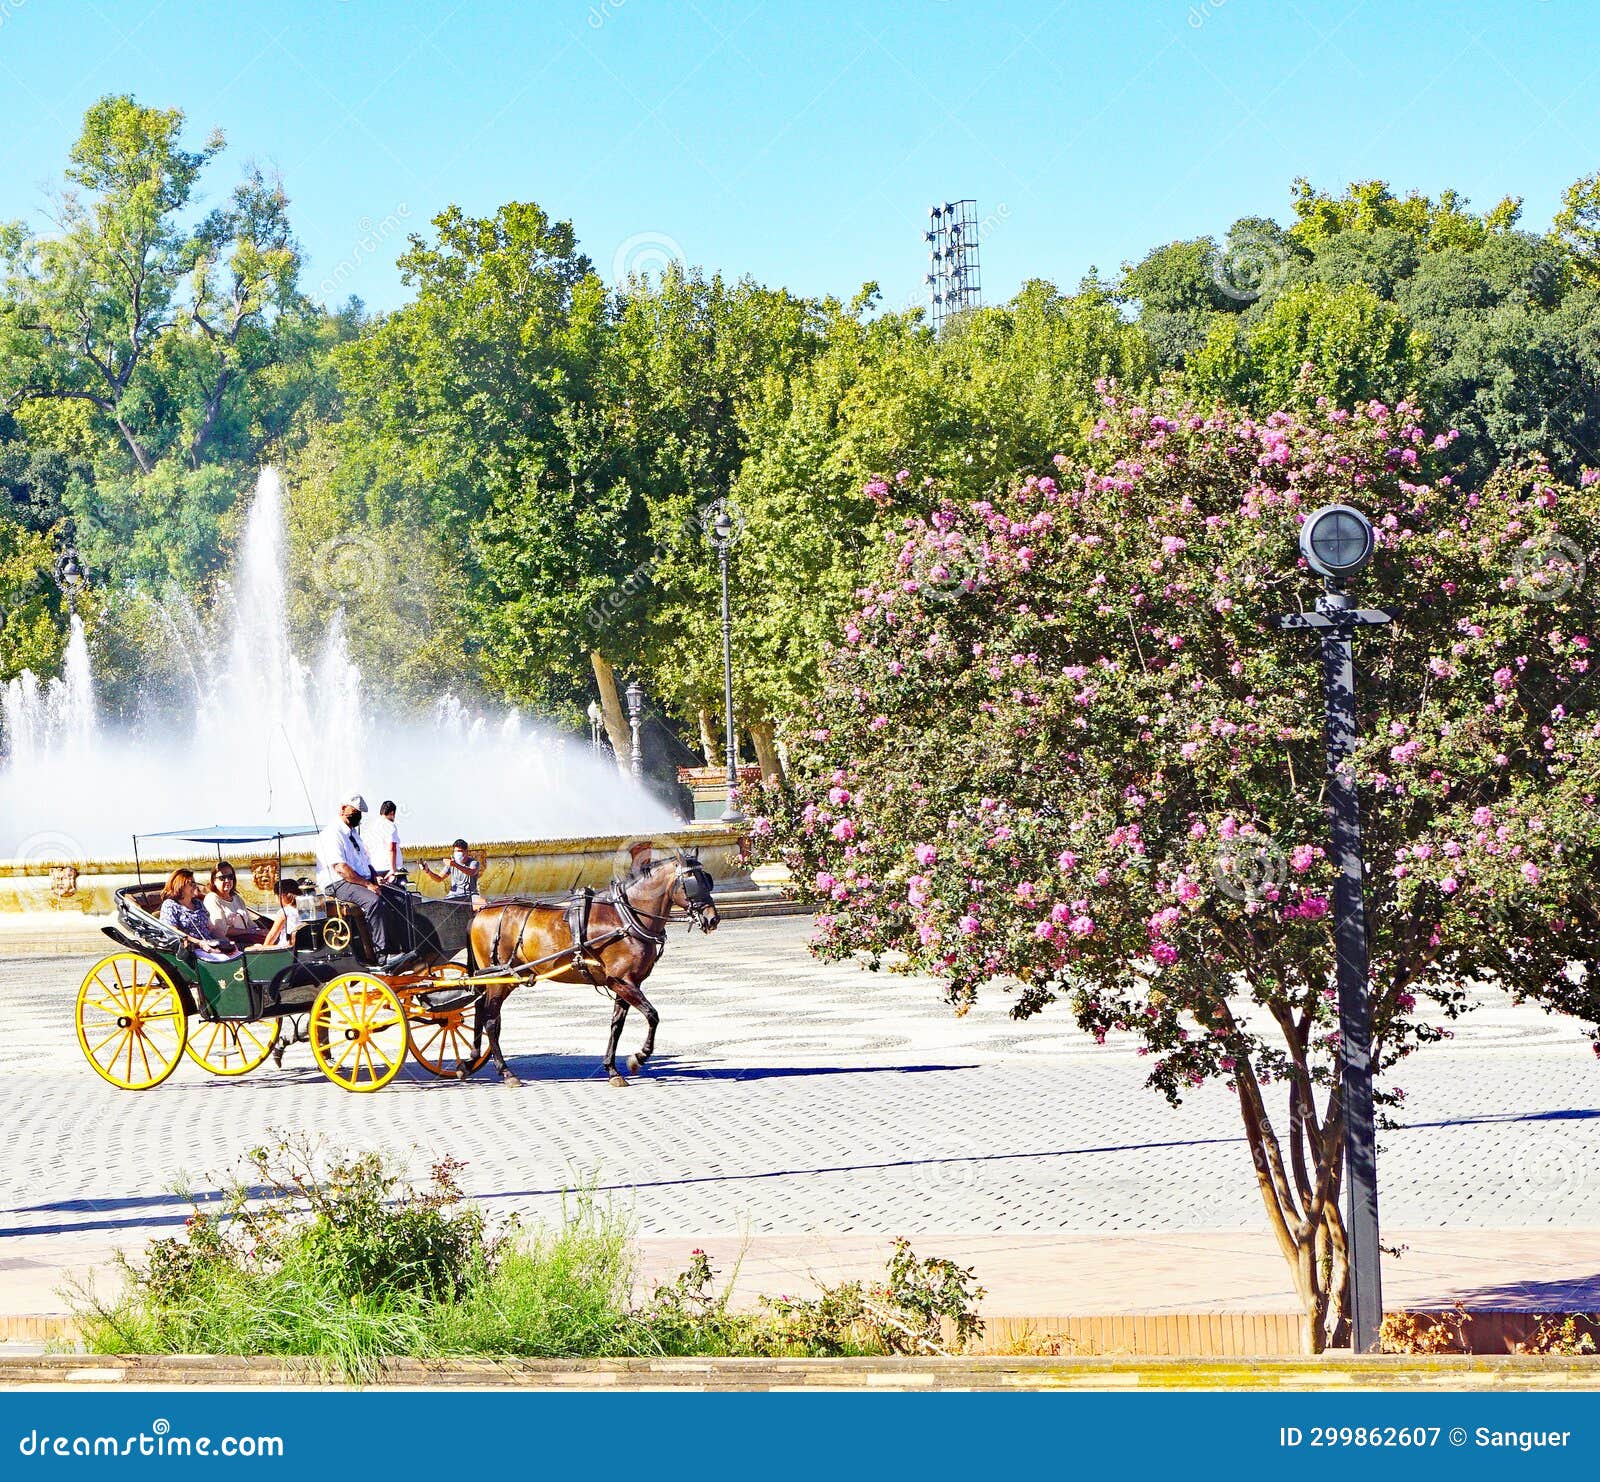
[1337, 542]
[635, 696]
[69, 575]
[722, 534]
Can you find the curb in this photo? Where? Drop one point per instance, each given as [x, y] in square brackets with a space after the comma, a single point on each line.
[1215, 1338]
[1336, 1372]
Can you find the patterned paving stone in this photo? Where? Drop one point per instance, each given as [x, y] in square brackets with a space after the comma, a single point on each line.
[793, 1096]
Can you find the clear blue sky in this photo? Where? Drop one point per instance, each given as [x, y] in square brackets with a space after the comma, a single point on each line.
[802, 143]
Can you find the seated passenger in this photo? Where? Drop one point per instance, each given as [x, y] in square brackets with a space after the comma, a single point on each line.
[182, 912]
[288, 921]
[230, 916]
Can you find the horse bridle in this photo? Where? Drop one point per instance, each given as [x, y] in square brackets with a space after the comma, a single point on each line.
[695, 906]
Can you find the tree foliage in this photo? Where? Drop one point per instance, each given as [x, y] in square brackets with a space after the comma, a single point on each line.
[1059, 753]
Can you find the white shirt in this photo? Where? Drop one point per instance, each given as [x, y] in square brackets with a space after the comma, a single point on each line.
[229, 915]
[384, 833]
[292, 922]
[338, 843]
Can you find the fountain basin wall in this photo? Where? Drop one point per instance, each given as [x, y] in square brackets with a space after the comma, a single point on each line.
[65, 888]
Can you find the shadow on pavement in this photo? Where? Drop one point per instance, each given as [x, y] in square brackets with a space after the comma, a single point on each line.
[1561, 1294]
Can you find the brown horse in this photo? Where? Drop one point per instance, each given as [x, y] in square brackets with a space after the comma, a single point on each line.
[610, 942]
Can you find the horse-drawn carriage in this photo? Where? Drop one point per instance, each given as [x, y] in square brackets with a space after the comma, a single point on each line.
[145, 1006]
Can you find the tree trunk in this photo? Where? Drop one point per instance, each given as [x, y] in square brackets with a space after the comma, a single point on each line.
[616, 721]
[1307, 1229]
[761, 733]
[709, 744]
[143, 459]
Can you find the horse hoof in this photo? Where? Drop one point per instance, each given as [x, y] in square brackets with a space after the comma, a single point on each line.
[509, 1080]
[618, 1079]
[635, 1064]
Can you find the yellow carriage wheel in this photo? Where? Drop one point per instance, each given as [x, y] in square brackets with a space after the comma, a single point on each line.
[131, 1021]
[358, 1032]
[441, 1043]
[230, 1047]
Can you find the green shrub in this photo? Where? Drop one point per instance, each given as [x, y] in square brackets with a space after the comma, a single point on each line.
[353, 1265]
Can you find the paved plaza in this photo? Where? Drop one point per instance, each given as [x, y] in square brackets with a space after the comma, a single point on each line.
[804, 1112]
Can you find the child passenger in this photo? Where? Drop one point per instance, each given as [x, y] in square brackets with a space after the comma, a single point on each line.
[288, 920]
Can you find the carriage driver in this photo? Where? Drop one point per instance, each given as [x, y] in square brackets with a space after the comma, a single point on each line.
[345, 872]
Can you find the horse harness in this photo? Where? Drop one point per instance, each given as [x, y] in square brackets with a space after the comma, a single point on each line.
[584, 948]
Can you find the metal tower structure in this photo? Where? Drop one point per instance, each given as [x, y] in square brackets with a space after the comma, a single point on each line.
[953, 279]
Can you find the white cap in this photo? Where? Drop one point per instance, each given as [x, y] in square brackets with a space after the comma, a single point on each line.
[356, 801]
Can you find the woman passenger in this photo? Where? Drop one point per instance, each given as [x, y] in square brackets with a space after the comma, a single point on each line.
[181, 910]
[230, 917]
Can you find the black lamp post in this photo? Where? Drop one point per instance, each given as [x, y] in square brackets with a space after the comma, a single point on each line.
[1337, 542]
[722, 533]
[69, 575]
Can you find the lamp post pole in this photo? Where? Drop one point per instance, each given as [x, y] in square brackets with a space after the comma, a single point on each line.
[635, 716]
[1338, 542]
[723, 532]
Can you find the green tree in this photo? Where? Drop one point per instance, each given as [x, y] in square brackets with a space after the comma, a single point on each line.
[480, 410]
[690, 358]
[30, 606]
[1344, 344]
[1370, 206]
[1576, 227]
[1001, 388]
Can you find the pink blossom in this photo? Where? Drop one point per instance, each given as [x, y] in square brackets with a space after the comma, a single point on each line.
[1530, 873]
[844, 830]
[926, 854]
[1081, 926]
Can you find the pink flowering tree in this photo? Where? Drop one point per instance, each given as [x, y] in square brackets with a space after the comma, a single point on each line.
[1060, 754]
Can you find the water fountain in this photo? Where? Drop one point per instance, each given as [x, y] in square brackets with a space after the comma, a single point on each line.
[275, 737]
